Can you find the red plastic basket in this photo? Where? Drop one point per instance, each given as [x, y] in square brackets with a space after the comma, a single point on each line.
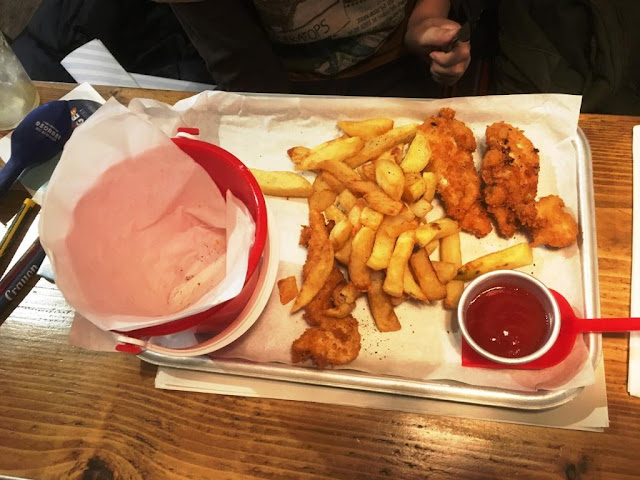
[228, 173]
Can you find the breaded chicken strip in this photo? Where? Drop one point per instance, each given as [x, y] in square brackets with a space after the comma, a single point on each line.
[330, 341]
[510, 173]
[452, 145]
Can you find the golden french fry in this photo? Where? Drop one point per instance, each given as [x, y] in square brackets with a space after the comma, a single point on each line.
[298, 154]
[327, 143]
[380, 305]
[354, 216]
[334, 213]
[320, 200]
[337, 150]
[418, 155]
[394, 280]
[341, 171]
[386, 235]
[435, 230]
[346, 200]
[414, 188]
[450, 252]
[389, 176]
[429, 283]
[332, 182]
[344, 254]
[375, 197]
[340, 233]
[432, 246]
[370, 218]
[366, 129]
[395, 301]
[445, 271]
[381, 202]
[287, 289]
[430, 181]
[319, 261]
[421, 207]
[378, 145]
[361, 245]
[368, 172]
[282, 184]
[382, 249]
[395, 154]
[411, 288]
[517, 256]
[319, 183]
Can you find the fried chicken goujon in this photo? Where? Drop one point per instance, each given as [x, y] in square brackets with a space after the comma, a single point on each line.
[452, 145]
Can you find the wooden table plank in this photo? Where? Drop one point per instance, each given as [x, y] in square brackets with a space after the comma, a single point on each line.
[68, 413]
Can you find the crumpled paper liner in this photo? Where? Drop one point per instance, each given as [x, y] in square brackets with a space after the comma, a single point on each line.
[128, 217]
[259, 129]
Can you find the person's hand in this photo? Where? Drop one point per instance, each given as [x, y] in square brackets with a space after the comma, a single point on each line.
[432, 40]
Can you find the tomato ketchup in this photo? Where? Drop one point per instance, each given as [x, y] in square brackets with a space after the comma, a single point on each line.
[507, 321]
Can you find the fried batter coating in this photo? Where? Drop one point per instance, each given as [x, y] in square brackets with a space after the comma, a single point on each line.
[313, 312]
[452, 145]
[330, 341]
[336, 343]
[553, 226]
[510, 172]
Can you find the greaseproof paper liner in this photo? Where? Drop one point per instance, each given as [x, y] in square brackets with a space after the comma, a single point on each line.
[260, 129]
[116, 242]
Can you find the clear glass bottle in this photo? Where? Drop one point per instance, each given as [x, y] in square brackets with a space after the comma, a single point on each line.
[18, 95]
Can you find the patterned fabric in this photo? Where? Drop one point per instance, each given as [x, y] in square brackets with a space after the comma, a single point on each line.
[329, 36]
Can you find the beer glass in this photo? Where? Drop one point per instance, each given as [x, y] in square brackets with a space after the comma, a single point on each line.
[18, 95]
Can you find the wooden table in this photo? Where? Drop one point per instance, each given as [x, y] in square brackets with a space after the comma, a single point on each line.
[69, 413]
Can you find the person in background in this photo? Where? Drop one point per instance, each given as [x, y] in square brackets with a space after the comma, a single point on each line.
[340, 47]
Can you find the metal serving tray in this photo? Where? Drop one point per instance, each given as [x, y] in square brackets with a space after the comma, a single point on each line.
[442, 389]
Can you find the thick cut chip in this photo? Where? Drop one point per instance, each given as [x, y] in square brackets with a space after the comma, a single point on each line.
[517, 256]
[381, 306]
[297, 154]
[340, 234]
[411, 288]
[319, 261]
[337, 150]
[386, 235]
[320, 200]
[435, 230]
[389, 176]
[418, 155]
[378, 145]
[288, 289]
[431, 286]
[366, 129]
[394, 281]
[282, 184]
[370, 218]
[361, 245]
[421, 207]
[450, 252]
[445, 271]
[431, 182]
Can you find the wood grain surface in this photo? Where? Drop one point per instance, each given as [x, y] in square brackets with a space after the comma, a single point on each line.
[69, 413]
